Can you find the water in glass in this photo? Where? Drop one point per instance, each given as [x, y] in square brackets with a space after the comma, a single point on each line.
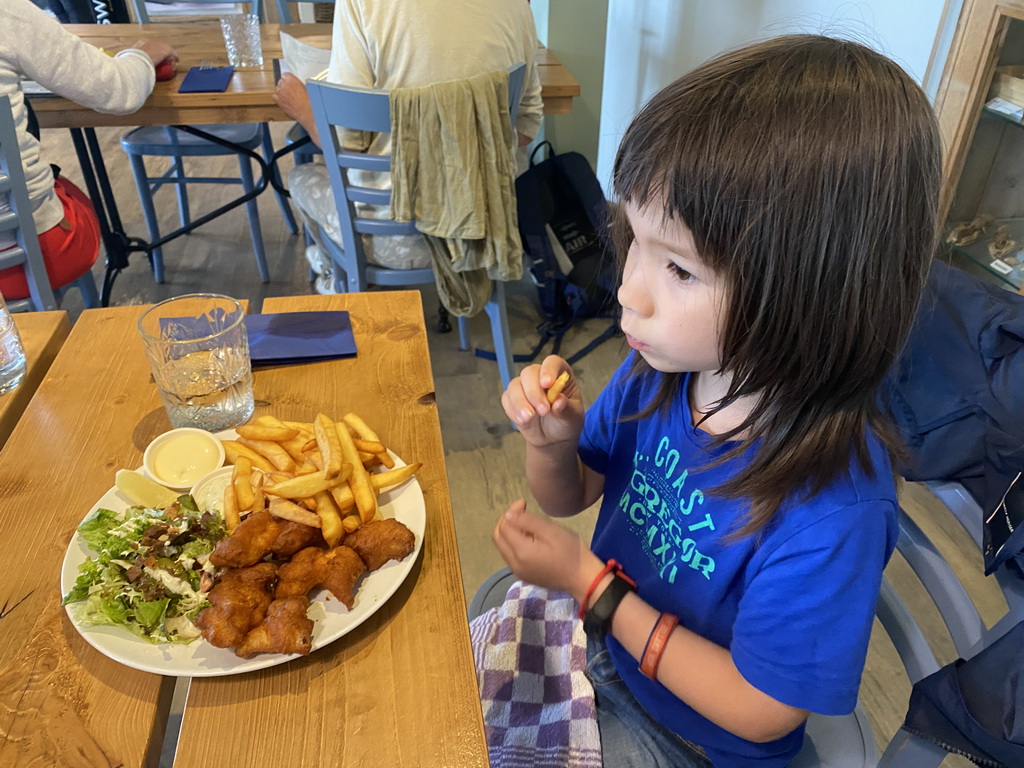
[209, 389]
[12, 353]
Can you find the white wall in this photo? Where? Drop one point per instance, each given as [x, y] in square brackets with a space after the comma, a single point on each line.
[652, 42]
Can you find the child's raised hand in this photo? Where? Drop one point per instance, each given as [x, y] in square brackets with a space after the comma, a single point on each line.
[544, 553]
[526, 403]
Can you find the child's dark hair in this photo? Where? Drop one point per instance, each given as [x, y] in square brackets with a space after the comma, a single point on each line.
[808, 170]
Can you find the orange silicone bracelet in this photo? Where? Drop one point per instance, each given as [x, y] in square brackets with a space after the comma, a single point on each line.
[656, 644]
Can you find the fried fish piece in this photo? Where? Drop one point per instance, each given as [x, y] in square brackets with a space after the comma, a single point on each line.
[336, 569]
[378, 541]
[286, 629]
[292, 537]
[249, 543]
[238, 603]
[262, 534]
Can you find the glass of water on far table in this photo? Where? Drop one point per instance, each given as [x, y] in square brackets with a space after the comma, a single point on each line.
[199, 353]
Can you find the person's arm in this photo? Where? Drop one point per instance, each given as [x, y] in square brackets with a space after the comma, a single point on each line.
[70, 67]
[560, 482]
[694, 669]
[292, 97]
[802, 629]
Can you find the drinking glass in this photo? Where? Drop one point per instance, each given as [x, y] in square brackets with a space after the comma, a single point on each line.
[242, 39]
[12, 353]
[199, 352]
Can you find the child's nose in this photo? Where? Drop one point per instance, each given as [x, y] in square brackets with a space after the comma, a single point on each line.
[633, 294]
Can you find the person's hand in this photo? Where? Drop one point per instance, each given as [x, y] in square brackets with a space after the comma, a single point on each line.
[542, 423]
[544, 553]
[157, 51]
[292, 97]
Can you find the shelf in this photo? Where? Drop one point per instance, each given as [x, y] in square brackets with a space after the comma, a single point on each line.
[1001, 116]
[978, 251]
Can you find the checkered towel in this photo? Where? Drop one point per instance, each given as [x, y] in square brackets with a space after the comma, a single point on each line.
[531, 654]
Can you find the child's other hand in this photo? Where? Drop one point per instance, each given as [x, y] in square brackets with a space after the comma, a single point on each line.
[544, 553]
[526, 404]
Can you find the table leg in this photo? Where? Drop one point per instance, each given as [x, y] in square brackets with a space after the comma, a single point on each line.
[115, 241]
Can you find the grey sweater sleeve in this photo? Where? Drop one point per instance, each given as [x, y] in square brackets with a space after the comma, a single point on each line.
[47, 53]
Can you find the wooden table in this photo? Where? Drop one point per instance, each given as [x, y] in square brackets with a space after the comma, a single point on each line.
[399, 690]
[249, 97]
[42, 334]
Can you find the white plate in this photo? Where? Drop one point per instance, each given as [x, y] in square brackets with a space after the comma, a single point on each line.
[200, 659]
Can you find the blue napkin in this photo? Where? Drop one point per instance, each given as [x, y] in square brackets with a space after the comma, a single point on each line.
[299, 337]
[208, 80]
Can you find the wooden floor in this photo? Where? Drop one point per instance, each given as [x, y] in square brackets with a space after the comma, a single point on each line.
[484, 455]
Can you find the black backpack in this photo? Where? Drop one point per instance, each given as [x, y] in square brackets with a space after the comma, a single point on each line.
[562, 215]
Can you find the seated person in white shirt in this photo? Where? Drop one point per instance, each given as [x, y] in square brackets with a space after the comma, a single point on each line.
[386, 44]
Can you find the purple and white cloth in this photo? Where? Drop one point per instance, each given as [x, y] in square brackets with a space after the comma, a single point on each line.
[531, 657]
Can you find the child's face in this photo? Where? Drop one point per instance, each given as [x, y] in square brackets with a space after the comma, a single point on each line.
[672, 303]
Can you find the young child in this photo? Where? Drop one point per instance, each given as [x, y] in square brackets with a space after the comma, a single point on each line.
[776, 221]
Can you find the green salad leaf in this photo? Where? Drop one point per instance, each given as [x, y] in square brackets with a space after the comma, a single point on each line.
[147, 572]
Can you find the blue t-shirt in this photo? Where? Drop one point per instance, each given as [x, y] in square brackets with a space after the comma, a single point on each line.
[793, 606]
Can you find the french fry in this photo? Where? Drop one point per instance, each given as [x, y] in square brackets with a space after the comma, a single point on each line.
[556, 389]
[240, 480]
[366, 499]
[330, 519]
[342, 494]
[309, 445]
[331, 449]
[309, 504]
[233, 449]
[272, 452]
[351, 523]
[360, 427]
[386, 460]
[267, 432]
[230, 510]
[259, 499]
[316, 459]
[306, 468]
[382, 480]
[302, 426]
[343, 497]
[368, 446]
[278, 477]
[305, 486]
[288, 510]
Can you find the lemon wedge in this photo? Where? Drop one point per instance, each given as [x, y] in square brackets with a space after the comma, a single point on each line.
[140, 491]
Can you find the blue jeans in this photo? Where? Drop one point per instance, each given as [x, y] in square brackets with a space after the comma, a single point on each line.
[631, 738]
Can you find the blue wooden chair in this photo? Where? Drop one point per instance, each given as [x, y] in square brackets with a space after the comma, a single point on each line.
[848, 741]
[284, 12]
[166, 141]
[359, 109]
[19, 220]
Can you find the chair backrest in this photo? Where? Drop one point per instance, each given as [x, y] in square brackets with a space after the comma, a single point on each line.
[362, 109]
[18, 219]
[284, 12]
[966, 628]
[142, 15]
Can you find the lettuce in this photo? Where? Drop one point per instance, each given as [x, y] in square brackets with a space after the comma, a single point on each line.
[149, 614]
[96, 528]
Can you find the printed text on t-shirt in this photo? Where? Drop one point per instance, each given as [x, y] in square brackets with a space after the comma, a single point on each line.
[659, 513]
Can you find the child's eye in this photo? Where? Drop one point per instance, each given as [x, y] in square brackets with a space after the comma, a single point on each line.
[678, 272]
